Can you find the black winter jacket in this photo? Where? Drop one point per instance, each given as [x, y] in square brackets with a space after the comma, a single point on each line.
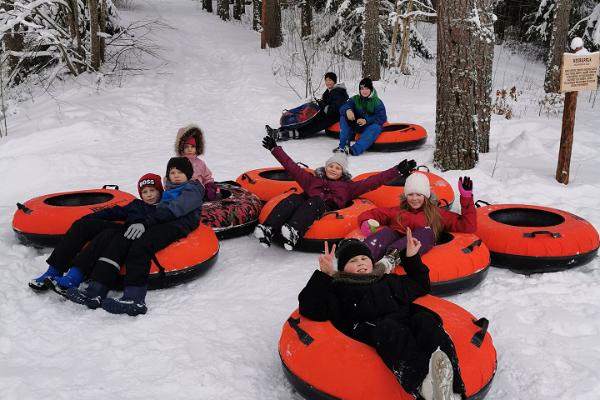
[332, 100]
[136, 211]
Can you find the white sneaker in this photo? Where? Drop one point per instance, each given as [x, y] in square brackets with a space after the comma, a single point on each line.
[442, 376]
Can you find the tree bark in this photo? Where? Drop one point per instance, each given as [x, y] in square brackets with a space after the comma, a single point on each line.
[456, 144]
[395, 30]
[102, 25]
[272, 24]
[484, 57]
[207, 5]
[370, 58]
[256, 15]
[405, 41]
[94, 39]
[238, 9]
[558, 41]
[307, 16]
[223, 10]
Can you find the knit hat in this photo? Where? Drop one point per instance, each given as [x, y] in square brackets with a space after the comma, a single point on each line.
[182, 164]
[150, 180]
[366, 82]
[191, 140]
[331, 76]
[576, 43]
[349, 248]
[339, 158]
[417, 183]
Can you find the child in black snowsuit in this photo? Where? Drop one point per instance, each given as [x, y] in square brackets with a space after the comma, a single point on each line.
[177, 214]
[377, 309]
[69, 264]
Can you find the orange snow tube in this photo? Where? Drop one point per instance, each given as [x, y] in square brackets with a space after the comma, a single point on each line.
[530, 239]
[43, 221]
[332, 227]
[395, 136]
[323, 363]
[267, 183]
[388, 195]
[184, 259]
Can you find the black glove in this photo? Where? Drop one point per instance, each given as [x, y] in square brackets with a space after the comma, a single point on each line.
[405, 166]
[269, 143]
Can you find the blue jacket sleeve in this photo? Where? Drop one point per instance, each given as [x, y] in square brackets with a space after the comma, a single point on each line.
[379, 116]
[348, 105]
[189, 200]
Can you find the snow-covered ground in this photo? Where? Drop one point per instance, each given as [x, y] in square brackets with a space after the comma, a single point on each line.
[216, 337]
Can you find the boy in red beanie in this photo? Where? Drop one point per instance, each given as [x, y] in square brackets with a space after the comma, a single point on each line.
[69, 264]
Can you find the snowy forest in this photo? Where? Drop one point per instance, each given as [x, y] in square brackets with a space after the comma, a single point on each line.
[95, 94]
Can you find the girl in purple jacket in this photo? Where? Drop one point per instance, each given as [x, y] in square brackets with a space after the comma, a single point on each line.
[329, 189]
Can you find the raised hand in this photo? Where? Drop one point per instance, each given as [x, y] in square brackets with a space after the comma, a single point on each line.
[465, 186]
[269, 143]
[412, 244]
[326, 260]
[405, 166]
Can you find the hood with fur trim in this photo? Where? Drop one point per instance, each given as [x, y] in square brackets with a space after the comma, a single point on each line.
[189, 131]
[320, 172]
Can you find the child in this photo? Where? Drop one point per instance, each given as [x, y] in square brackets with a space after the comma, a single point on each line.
[68, 256]
[418, 212]
[365, 113]
[190, 143]
[377, 309]
[177, 214]
[329, 189]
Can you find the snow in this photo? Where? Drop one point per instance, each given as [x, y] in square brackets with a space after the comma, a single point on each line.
[216, 337]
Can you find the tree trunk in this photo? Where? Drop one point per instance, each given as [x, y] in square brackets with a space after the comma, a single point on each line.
[484, 57]
[207, 5]
[238, 9]
[256, 15]
[306, 6]
[395, 29]
[558, 41]
[223, 10]
[370, 57]
[272, 23]
[102, 25]
[94, 39]
[405, 41]
[456, 144]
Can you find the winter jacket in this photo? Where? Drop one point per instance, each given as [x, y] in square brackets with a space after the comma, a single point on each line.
[332, 100]
[180, 203]
[414, 219]
[336, 194]
[201, 171]
[131, 213]
[378, 116]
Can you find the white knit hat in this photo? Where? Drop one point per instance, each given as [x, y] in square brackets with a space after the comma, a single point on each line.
[576, 43]
[340, 159]
[417, 183]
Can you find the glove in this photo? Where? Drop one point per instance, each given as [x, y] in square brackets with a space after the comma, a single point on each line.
[269, 143]
[465, 186]
[405, 166]
[369, 226]
[135, 231]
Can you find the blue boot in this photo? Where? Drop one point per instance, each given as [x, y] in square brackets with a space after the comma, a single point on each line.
[60, 284]
[39, 284]
[92, 296]
[131, 303]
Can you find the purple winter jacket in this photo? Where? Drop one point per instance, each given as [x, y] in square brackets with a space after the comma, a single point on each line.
[337, 194]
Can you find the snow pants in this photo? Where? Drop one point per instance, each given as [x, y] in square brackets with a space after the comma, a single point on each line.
[298, 210]
[320, 122]
[387, 239]
[370, 133]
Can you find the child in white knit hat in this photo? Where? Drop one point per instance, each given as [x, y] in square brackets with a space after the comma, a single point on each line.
[419, 212]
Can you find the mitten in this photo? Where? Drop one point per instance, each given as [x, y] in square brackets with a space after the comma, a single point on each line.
[269, 143]
[369, 226]
[465, 186]
[135, 231]
[405, 166]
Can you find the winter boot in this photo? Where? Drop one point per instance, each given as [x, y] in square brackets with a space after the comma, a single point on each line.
[39, 284]
[295, 134]
[437, 385]
[290, 236]
[264, 235]
[91, 296]
[60, 284]
[390, 260]
[345, 150]
[131, 303]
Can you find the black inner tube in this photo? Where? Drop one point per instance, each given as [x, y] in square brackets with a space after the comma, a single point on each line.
[395, 127]
[526, 217]
[276, 175]
[78, 199]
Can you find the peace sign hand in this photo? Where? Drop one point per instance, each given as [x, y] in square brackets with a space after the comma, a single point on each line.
[326, 260]
[412, 244]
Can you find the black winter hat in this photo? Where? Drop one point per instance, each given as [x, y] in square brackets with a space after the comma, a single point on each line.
[349, 248]
[331, 76]
[182, 164]
[366, 82]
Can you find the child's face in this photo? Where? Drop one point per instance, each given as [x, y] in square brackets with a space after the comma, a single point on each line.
[365, 91]
[189, 150]
[333, 171]
[329, 83]
[359, 265]
[415, 200]
[176, 176]
[150, 195]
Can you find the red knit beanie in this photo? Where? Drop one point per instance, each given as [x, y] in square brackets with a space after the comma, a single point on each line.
[150, 180]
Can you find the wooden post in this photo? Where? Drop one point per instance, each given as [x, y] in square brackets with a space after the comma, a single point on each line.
[566, 138]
